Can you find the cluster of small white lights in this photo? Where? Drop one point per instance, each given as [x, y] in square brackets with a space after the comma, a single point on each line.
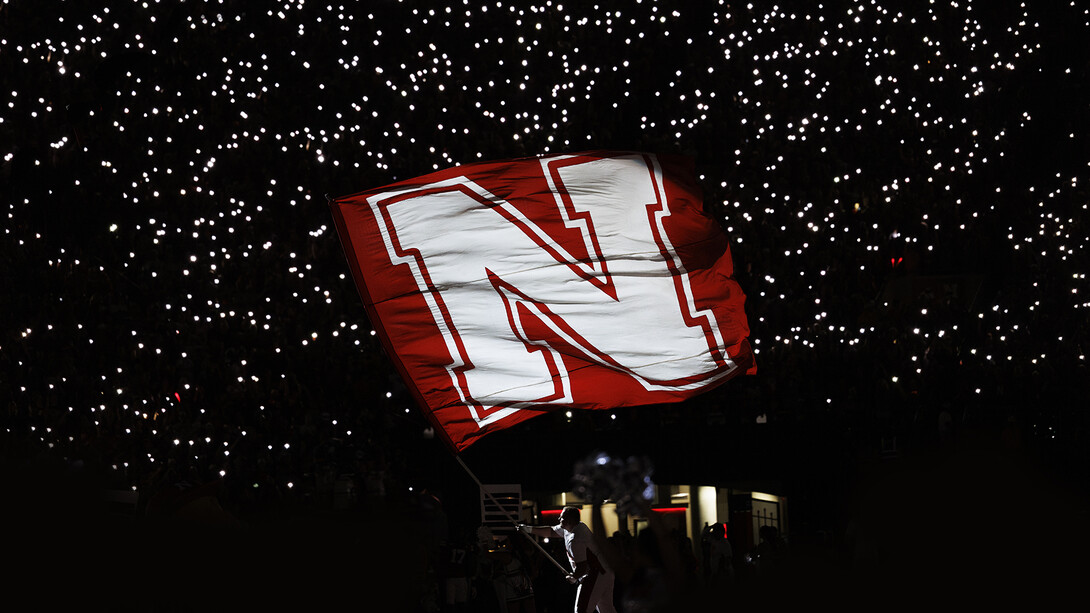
[843, 143]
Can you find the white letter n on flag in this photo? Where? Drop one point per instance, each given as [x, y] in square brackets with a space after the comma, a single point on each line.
[559, 281]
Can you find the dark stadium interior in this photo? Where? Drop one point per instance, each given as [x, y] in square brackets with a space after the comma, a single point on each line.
[905, 194]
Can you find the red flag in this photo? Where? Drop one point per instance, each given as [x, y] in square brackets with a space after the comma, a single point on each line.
[589, 281]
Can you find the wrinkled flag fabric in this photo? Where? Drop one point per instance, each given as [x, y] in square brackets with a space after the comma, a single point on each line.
[578, 281]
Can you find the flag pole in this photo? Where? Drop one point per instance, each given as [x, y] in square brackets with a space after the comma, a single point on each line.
[469, 472]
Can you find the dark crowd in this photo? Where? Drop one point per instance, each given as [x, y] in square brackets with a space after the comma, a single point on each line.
[198, 414]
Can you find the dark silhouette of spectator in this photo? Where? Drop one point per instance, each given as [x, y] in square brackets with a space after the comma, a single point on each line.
[719, 564]
[770, 555]
[456, 569]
